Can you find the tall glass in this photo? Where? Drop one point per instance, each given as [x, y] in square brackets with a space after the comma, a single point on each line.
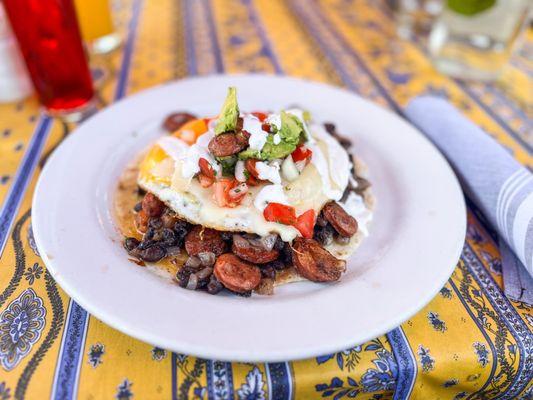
[473, 39]
[50, 41]
[415, 17]
[96, 25]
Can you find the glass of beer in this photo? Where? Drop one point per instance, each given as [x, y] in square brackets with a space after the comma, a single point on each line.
[96, 25]
[50, 41]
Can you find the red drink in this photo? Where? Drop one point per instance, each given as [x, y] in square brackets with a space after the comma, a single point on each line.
[50, 40]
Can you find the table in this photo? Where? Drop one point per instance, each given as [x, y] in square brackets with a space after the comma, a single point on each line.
[468, 342]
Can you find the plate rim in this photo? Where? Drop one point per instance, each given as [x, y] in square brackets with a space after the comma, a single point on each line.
[244, 354]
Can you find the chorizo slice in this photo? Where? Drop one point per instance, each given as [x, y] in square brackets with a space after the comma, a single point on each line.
[314, 262]
[228, 144]
[200, 240]
[152, 206]
[176, 120]
[344, 223]
[235, 274]
[251, 252]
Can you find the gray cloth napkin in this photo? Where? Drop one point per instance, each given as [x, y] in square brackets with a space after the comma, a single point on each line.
[499, 186]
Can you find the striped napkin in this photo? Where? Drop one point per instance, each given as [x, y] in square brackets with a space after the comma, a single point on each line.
[499, 186]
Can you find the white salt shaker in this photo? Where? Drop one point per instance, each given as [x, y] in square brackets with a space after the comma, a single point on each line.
[14, 81]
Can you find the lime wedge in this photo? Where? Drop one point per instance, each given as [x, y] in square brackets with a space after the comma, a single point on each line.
[470, 7]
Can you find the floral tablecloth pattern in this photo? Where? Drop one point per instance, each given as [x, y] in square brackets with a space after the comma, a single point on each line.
[468, 342]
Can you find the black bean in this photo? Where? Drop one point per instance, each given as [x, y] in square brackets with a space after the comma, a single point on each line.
[192, 283]
[242, 294]
[286, 254]
[279, 245]
[155, 223]
[324, 234]
[214, 286]
[362, 185]
[181, 228]
[138, 207]
[321, 220]
[268, 271]
[330, 127]
[168, 237]
[207, 259]
[130, 243]
[204, 277]
[153, 254]
[149, 235]
[342, 239]
[141, 191]
[332, 130]
[193, 262]
[278, 265]
[182, 276]
[227, 236]
[173, 251]
[145, 244]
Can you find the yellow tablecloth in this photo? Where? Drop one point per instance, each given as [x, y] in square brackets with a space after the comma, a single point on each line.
[468, 342]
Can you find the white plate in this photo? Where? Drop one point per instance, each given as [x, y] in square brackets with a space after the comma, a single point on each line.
[416, 236]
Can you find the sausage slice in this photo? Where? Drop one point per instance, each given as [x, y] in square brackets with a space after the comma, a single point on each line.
[176, 120]
[314, 262]
[251, 252]
[235, 274]
[344, 223]
[228, 144]
[201, 239]
[152, 206]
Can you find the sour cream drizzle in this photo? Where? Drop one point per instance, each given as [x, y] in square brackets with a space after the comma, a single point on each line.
[269, 172]
[270, 194]
[258, 136]
[189, 156]
[333, 168]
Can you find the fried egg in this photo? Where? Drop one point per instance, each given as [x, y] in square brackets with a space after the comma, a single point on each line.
[168, 169]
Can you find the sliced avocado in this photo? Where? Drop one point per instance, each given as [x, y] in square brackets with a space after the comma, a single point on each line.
[290, 132]
[227, 119]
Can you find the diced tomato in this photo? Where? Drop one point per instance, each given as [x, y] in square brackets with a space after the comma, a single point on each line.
[305, 223]
[205, 181]
[224, 196]
[261, 116]
[237, 193]
[252, 180]
[250, 167]
[222, 187]
[265, 127]
[206, 168]
[280, 213]
[301, 153]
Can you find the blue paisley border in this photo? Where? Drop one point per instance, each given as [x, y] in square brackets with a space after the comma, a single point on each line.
[512, 320]
[219, 380]
[407, 366]
[22, 178]
[485, 335]
[65, 384]
[280, 382]
[71, 351]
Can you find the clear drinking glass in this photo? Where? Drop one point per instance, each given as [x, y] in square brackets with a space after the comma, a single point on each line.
[415, 17]
[473, 39]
